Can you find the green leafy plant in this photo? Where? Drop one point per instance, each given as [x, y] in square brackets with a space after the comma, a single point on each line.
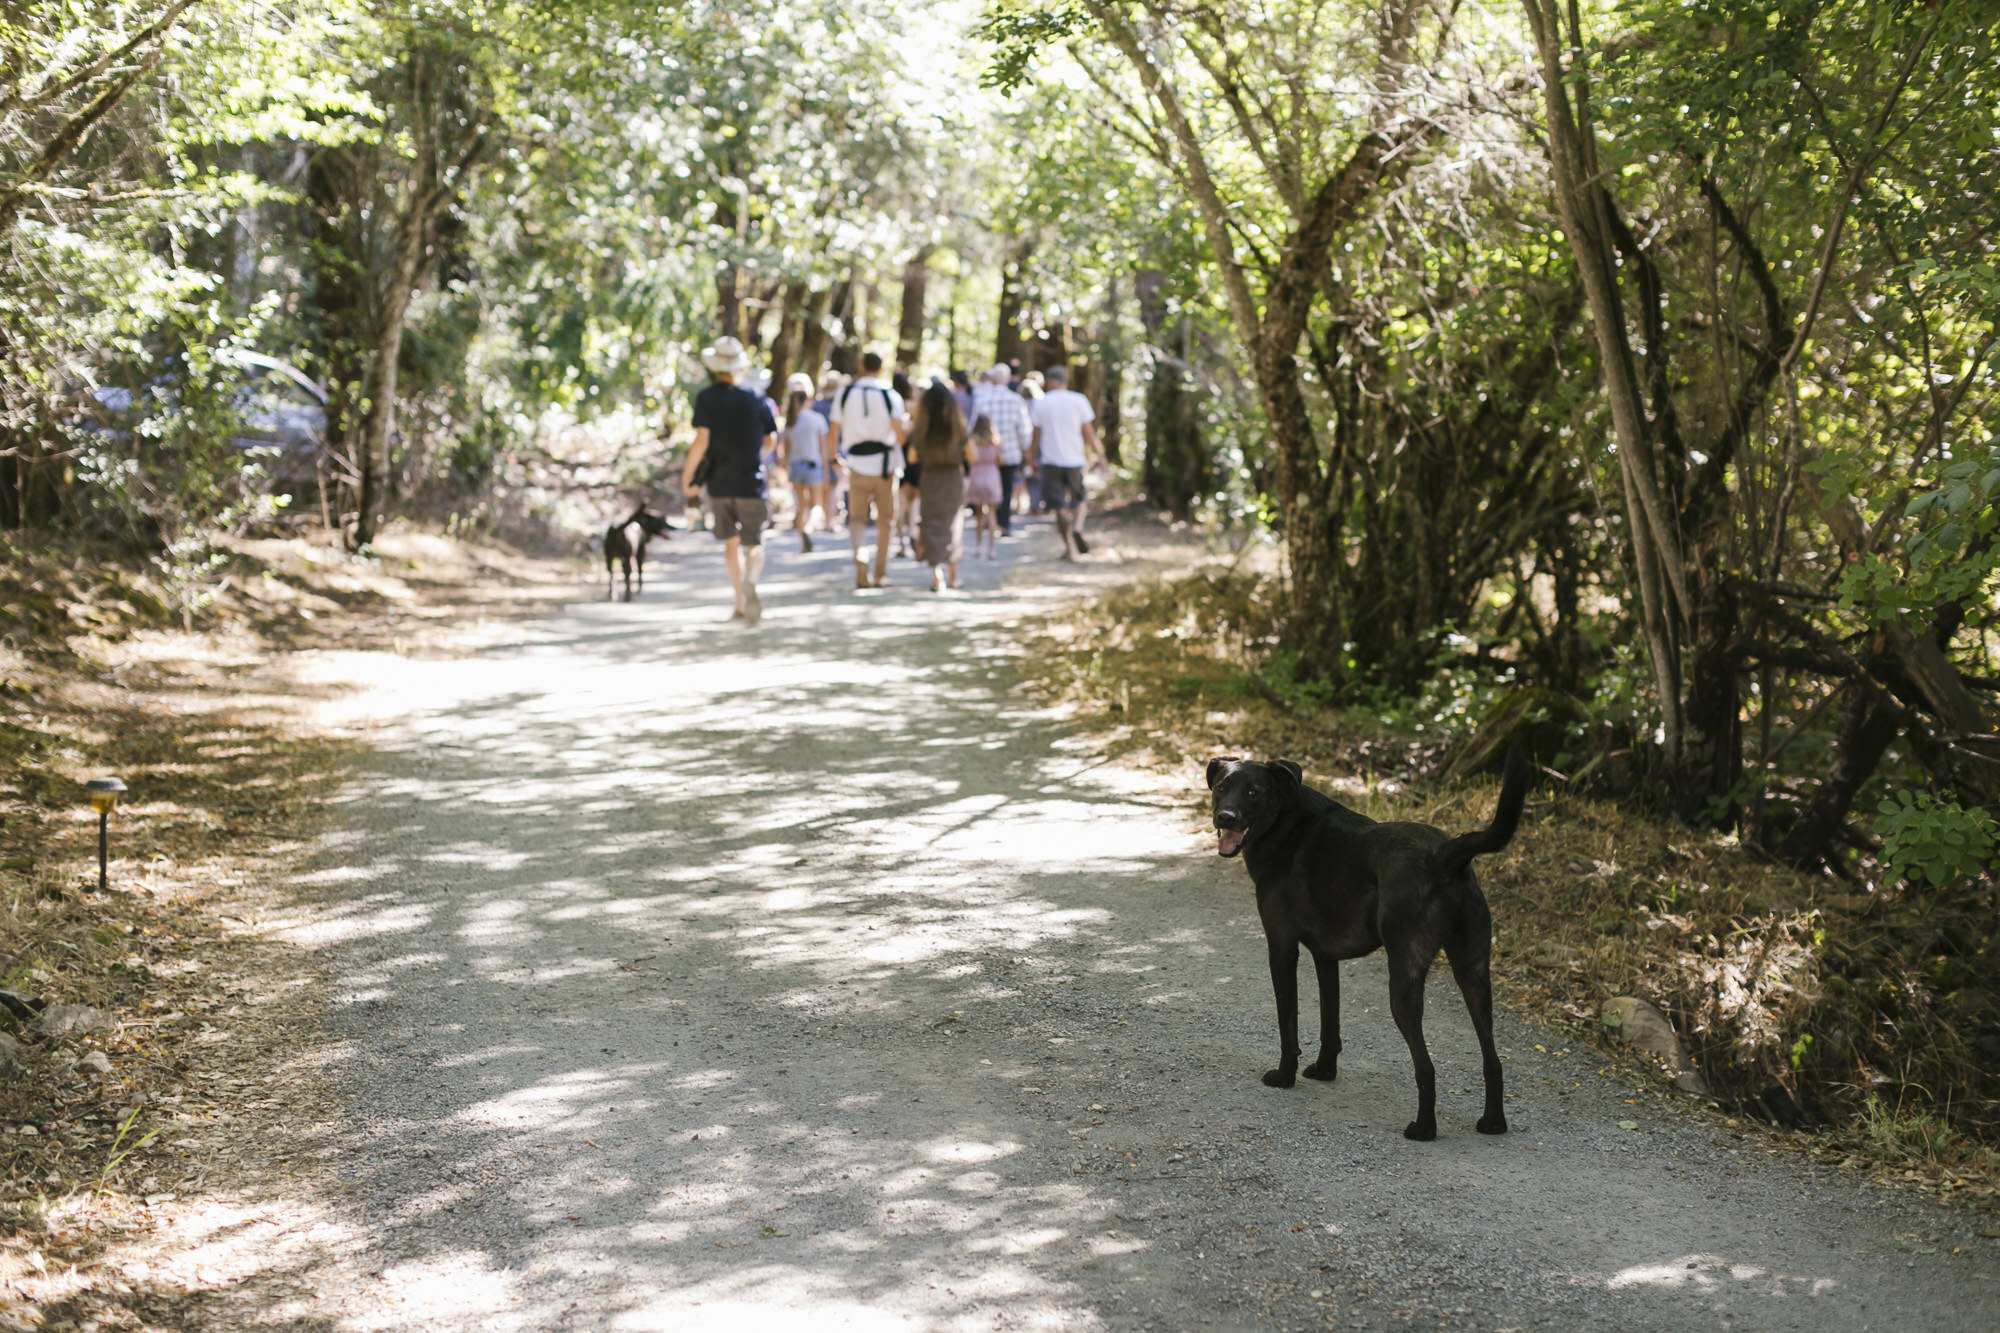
[1935, 841]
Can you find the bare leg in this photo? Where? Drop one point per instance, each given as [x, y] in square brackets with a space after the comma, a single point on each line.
[885, 519]
[732, 556]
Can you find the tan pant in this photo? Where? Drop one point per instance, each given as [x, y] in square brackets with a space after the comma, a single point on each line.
[861, 493]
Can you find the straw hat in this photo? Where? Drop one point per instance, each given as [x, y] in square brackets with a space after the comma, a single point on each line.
[727, 357]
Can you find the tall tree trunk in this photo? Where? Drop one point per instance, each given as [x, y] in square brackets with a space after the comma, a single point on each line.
[378, 399]
[756, 307]
[728, 303]
[1177, 467]
[1111, 416]
[340, 298]
[814, 337]
[910, 328]
[845, 356]
[1111, 355]
[791, 310]
[1050, 348]
[1008, 346]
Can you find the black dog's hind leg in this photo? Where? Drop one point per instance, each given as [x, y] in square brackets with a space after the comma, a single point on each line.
[1328, 1065]
[1285, 986]
[1406, 1003]
[1471, 956]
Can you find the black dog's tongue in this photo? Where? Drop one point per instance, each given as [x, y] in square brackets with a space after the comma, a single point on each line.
[1229, 841]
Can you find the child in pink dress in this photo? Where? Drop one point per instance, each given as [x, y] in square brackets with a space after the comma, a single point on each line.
[982, 487]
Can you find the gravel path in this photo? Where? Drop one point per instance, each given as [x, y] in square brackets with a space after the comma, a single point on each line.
[693, 977]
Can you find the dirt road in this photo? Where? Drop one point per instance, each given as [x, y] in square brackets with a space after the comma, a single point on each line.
[695, 977]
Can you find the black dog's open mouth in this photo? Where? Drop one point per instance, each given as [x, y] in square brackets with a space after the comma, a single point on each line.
[1229, 841]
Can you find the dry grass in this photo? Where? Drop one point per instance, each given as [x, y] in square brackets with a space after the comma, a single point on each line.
[227, 782]
[1853, 1020]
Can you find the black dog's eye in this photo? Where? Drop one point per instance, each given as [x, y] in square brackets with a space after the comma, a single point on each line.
[1256, 791]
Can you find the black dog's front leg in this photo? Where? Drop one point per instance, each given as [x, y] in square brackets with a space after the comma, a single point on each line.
[1328, 1065]
[1285, 986]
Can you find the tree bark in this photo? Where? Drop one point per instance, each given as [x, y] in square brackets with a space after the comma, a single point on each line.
[340, 298]
[813, 335]
[728, 303]
[1176, 472]
[845, 356]
[910, 328]
[378, 399]
[791, 310]
[1008, 346]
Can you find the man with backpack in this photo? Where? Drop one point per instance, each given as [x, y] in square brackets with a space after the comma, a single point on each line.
[733, 431]
[869, 424]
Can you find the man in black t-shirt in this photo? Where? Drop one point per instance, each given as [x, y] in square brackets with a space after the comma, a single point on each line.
[733, 430]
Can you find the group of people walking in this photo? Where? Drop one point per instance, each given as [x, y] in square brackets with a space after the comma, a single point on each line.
[913, 469]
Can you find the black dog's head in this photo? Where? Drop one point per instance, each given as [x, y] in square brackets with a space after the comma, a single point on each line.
[654, 524]
[1249, 797]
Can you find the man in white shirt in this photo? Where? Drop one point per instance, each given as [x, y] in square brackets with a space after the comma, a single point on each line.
[1064, 442]
[993, 399]
[868, 425]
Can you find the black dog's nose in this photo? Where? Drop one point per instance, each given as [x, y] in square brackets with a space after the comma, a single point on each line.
[1229, 819]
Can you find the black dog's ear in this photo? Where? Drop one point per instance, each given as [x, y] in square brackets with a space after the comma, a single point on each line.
[1290, 767]
[1218, 767]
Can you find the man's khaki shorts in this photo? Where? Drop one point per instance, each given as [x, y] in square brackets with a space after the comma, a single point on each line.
[741, 517]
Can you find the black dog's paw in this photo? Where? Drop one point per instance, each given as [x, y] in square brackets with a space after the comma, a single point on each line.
[1278, 1078]
[1323, 1070]
[1423, 1131]
[1492, 1124]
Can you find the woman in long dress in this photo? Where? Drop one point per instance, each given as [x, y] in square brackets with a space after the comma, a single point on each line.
[937, 439]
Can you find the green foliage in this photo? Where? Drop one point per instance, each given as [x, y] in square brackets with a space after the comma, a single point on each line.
[1019, 31]
[1933, 840]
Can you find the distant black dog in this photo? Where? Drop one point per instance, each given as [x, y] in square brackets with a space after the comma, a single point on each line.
[1344, 886]
[620, 548]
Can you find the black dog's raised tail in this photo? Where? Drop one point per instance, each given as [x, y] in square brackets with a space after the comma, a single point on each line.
[1455, 855]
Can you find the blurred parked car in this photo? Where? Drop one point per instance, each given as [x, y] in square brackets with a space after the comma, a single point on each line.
[280, 412]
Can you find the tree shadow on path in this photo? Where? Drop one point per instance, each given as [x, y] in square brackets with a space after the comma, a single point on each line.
[691, 976]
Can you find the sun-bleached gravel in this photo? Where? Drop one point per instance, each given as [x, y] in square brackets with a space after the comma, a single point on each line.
[694, 977]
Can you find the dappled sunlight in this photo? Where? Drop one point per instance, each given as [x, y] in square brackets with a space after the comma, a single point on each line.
[810, 976]
[1710, 1273]
[579, 829]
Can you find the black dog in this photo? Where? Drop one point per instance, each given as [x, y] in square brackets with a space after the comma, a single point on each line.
[1344, 886]
[618, 547]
